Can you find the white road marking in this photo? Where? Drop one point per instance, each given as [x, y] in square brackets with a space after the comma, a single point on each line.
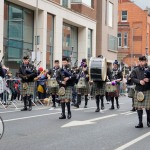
[18, 109]
[130, 113]
[125, 113]
[133, 141]
[86, 122]
[15, 119]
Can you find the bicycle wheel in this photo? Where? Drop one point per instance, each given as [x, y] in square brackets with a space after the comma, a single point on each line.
[1, 127]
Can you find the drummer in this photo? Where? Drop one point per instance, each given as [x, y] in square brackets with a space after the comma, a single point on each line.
[116, 77]
[83, 91]
[99, 90]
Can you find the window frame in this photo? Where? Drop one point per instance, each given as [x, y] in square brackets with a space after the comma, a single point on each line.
[125, 33]
[108, 14]
[122, 16]
[119, 46]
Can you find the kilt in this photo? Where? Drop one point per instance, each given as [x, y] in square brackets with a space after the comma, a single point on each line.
[145, 103]
[83, 91]
[29, 90]
[116, 93]
[68, 94]
[98, 89]
[53, 90]
[131, 93]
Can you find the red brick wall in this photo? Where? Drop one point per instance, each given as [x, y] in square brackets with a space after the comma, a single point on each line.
[85, 10]
[137, 18]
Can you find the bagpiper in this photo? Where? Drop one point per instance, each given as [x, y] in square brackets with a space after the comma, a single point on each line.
[141, 77]
[53, 75]
[27, 72]
[66, 79]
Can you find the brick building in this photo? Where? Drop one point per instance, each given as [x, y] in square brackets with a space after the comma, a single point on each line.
[133, 32]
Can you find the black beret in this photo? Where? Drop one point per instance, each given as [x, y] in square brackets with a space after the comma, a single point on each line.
[56, 61]
[65, 59]
[115, 62]
[26, 57]
[100, 56]
[142, 58]
[84, 60]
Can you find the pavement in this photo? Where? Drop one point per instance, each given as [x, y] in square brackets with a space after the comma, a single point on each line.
[40, 129]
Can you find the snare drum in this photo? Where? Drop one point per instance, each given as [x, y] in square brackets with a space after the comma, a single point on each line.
[110, 87]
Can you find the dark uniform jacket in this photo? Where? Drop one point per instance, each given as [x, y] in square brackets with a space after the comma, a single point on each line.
[66, 72]
[54, 72]
[27, 73]
[116, 74]
[138, 74]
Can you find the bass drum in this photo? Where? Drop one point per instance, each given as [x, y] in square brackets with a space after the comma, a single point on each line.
[98, 69]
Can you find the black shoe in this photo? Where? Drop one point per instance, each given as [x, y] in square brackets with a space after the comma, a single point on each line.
[133, 109]
[112, 107]
[62, 117]
[139, 125]
[97, 110]
[118, 106]
[24, 109]
[69, 115]
[102, 107]
[148, 124]
[85, 106]
[76, 105]
[30, 108]
[54, 106]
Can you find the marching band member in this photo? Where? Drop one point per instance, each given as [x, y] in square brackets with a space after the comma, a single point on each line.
[141, 77]
[131, 90]
[83, 91]
[99, 90]
[27, 72]
[66, 79]
[53, 74]
[116, 78]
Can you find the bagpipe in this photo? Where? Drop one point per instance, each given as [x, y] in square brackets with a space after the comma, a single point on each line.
[65, 73]
[147, 72]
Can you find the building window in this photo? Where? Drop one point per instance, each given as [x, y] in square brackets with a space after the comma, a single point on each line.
[66, 3]
[110, 14]
[125, 39]
[18, 34]
[124, 16]
[50, 41]
[86, 2]
[112, 43]
[89, 44]
[119, 40]
[70, 42]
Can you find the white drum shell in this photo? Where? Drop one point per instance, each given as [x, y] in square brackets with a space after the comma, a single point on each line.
[98, 69]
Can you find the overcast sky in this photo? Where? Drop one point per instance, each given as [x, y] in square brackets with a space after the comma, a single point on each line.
[142, 3]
